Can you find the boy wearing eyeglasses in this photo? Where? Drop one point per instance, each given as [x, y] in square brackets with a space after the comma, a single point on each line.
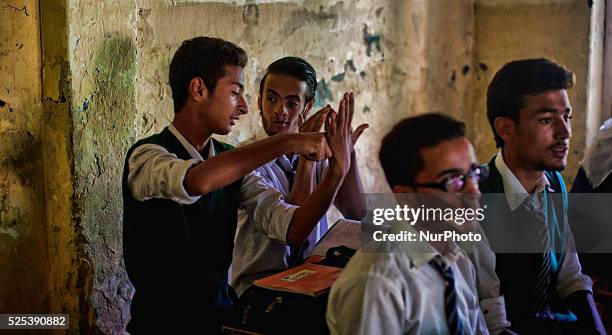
[426, 290]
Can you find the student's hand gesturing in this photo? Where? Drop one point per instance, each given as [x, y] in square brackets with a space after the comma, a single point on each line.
[355, 134]
[315, 122]
[338, 134]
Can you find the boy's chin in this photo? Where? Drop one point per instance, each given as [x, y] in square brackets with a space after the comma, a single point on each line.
[223, 131]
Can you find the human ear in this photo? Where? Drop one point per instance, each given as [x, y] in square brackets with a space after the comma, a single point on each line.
[504, 128]
[197, 89]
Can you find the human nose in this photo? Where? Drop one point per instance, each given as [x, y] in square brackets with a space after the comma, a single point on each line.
[471, 185]
[243, 107]
[281, 109]
[563, 130]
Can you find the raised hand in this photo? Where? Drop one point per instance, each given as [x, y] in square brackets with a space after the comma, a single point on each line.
[312, 146]
[355, 134]
[315, 122]
[338, 134]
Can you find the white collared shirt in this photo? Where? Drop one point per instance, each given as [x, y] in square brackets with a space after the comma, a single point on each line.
[400, 292]
[514, 190]
[570, 278]
[261, 247]
[153, 172]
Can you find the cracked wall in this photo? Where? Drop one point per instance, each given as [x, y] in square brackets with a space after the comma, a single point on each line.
[104, 85]
[400, 57]
[102, 56]
[71, 282]
[119, 56]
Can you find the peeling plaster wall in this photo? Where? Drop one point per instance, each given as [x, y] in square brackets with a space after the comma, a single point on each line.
[104, 85]
[388, 52]
[102, 57]
[23, 256]
[557, 29]
[347, 42]
[70, 268]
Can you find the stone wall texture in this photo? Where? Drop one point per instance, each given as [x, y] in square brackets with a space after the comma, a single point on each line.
[82, 80]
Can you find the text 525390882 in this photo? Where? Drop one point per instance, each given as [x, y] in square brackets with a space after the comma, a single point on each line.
[34, 321]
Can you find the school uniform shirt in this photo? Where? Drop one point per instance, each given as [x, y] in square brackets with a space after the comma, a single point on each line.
[401, 292]
[261, 247]
[570, 278]
[156, 173]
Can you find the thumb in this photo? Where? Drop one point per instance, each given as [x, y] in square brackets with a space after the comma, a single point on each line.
[357, 133]
[300, 121]
[328, 152]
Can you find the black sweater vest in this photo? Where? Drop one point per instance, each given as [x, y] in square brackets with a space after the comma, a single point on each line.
[178, 256]
[508, 229]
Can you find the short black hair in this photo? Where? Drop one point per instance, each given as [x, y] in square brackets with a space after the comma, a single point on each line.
[519, 78]
[295, 67]
[203, 57]
[400, 152]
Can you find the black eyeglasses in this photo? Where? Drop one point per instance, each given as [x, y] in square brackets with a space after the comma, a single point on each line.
[457, 182]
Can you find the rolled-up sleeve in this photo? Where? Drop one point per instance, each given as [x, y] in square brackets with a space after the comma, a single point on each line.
[494, 313]
[570, 278]
[153, 172]
[266, 207]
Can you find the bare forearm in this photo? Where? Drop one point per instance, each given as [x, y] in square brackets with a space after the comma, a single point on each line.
[316, 205]
[227, 167]
[581, 303]
[302, 183]
[350, 200]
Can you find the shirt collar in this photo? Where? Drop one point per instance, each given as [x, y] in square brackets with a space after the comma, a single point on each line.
[421, 252]
[190, 149]
[514, 190]
[286, 163]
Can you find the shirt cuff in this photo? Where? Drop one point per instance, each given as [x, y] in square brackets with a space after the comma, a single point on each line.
[182, 196]
[494, 311]
[283, 219]
[582, 282]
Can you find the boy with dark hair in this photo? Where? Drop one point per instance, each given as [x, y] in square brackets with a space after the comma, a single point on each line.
[286, 94]
[415, 287]
[294, 67]
[529, 113]
[506, 93]
[182, 189]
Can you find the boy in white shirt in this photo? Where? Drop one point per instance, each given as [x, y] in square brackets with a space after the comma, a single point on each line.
[417, 287]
